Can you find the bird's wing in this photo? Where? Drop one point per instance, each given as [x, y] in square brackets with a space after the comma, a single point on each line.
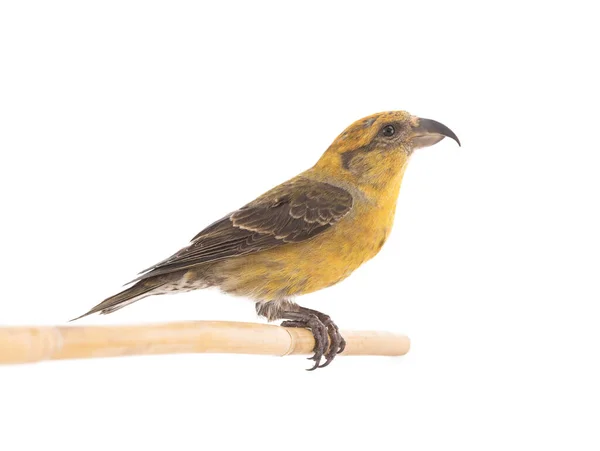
[290, 213]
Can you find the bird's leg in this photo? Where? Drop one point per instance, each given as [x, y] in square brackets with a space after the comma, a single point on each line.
[328, 341]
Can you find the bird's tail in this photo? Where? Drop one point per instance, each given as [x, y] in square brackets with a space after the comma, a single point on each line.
[128, 296]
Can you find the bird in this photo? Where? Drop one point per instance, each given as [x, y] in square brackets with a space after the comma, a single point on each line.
[306, 234]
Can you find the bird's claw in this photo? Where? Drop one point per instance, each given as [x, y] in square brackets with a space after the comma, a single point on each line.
[337, 344]
[328, 340]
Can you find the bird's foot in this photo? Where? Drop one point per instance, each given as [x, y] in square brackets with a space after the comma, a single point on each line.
[328, 340]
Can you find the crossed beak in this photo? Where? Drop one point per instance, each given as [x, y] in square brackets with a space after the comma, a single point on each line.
[429, 132]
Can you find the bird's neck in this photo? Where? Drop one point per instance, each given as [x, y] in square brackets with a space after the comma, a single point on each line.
[384, 187]
[379, 185]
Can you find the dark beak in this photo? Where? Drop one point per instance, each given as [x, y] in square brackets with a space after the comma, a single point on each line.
[429, 132]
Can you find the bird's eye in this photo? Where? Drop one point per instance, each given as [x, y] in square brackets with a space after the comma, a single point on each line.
[388, 130]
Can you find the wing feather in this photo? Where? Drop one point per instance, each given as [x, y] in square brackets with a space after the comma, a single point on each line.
[290, 213]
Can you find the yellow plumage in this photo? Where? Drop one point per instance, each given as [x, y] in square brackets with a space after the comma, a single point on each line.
[325, 260]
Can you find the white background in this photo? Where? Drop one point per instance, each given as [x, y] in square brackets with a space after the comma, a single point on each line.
[126, 127]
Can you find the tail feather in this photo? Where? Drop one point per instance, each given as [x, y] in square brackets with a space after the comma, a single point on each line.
[128, 296]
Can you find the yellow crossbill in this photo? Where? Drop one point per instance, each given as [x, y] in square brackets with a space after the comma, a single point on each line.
[304, 235]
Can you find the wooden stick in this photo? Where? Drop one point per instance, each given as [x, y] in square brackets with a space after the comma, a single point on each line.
[35, 344]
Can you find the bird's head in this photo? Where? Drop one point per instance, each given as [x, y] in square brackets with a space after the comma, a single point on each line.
[375, 149]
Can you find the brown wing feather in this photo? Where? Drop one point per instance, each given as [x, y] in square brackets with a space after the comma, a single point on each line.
[290, 213]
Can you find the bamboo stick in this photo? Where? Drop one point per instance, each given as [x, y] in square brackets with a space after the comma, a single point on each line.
[35, 344]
